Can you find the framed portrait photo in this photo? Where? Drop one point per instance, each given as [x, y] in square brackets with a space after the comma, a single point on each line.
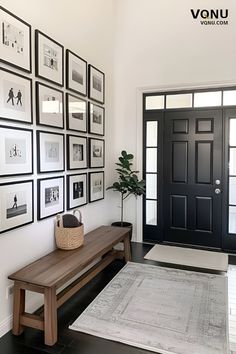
[76, 113]
[96, 152]
[15, 41]
[96, 186]
[15, 97]
[50, 147]
[16, 205]
[76, 190]
[96, 119]
[76, 73]
[50, 196]
[49, 106]
[49, 59]
[76, 152]
[16, 146]
[96, 84]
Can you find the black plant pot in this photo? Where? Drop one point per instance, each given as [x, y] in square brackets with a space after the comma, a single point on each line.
[124, 224]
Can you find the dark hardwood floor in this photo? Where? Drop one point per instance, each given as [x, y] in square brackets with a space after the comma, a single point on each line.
[72, 342]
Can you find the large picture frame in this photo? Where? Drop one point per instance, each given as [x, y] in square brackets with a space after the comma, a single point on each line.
[96, 153]
[96, 186]
[76, 152]
[15, 43]
[15, 97]
[50, 196]
[76, 73]
[16, 205]
[76, 113]
[51, 152]
[96, 84]
[76, 190]
[49, 59]
[96, 119]
[16, 146]
[49, 106]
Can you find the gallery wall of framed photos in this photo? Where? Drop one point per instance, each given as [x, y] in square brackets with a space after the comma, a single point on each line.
[52, 126]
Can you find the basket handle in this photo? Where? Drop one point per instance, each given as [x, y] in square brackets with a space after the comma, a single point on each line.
[80, 215]
[59, 220]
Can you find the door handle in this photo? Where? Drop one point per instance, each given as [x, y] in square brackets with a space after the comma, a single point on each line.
[217, 191]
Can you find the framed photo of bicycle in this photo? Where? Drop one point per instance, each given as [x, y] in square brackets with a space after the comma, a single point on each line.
[16, 146]
[96, 84]
[15, 43]
[15, 97]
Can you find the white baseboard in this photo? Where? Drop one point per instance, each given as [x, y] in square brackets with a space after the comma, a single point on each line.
[6, 325]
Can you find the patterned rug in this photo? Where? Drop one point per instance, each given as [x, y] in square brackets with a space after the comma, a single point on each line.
[167, 311]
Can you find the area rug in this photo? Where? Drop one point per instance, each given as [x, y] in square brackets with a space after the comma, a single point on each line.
[164, 310]
[189, 257]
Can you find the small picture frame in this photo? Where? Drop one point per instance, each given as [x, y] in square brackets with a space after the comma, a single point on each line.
[76, 190]
[96, 153]
[76, 152]
[15, 97]
[51, 152]
[15, 43]
[16, 205]
[16, 146]
[76, 73]
[49, 59]
[49, 106]
[96, 84]
[96, 119]
[50, 196]
[96, 186]
[76, 113]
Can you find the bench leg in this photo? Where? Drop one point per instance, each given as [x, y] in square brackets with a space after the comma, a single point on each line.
[18, 308]
[127, 249]
[50, 316]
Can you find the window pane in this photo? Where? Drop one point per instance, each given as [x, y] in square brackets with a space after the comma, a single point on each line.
[151, 186]
[179, 101]
[229, 98]
[151, 160]
[232, 190]
[151, 212]
[232, 220]
[232, 161]
[152, 133]
[232, 132]
[207, 99]
[154, 102]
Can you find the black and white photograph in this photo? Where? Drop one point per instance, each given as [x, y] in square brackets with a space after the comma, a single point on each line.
[96, 84]
[96, 186]
[16, 146]
[15, 41]
[49, 106]
[49, 59]
[96, 152]
[96, 119]
[16, 205]
[76, 152]
[50, 196]
[76, 73]
[15, 97]
[76, 190]
[76, 113]
[50, 147]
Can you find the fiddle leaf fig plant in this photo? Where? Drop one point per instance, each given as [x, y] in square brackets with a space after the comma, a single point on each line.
[128, 182]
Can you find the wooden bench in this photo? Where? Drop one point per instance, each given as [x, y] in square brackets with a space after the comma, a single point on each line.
[54, 270]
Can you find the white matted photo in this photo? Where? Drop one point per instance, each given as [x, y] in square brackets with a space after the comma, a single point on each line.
[16, 205]
[96, 152]
[76, 152]
[96, 84]
[76, 113]
[15, 97]
[50, 196]
[49, 106]
[76, 190]
[96, 186]
[16, 146]
[96, 119]
[50, 147]
[76, 73]
[15, 41]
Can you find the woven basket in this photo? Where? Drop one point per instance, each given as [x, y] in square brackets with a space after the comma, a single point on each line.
[71, 237]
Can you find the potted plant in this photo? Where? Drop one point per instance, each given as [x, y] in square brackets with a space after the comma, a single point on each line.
[127, 184]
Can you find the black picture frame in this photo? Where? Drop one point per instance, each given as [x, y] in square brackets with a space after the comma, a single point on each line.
[77, 190]
[18, 25]
[96, 84]
[96, 118]
[76, 123]
[54, 62]
[14, 193]
[96, 153]
[79, 83]
[57, 117]
[77, 152]
[96, 191]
